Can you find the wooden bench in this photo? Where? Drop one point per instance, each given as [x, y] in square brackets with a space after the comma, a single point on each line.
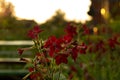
[10, 64]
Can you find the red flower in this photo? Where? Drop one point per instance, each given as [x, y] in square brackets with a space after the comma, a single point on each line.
[67, 38]
[50, 41]
[73, 68]
[74, 53]
[53, 44]
[100, 46]
[31, 69]
[35, 75]
[71, 30]
[91, 47]
[20, 51]
[61, 58]
[86, 30]
[33, 33]
[82, 48]
[113, 41]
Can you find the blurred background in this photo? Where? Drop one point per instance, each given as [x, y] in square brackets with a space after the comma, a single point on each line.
[18, 16]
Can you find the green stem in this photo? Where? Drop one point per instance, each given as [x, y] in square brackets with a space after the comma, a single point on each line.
[60, 70]
[25, 77]
[52, 69]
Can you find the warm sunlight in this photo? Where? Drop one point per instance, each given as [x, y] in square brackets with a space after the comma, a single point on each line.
[41, 10]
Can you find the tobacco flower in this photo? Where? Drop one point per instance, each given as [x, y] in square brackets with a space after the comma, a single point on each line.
[113, 41]
[100, 46]
[53, 45]
[74, 53]
[67, 38]
[20, 51]
[61, 58]
[70, 30]
[33, 33]
[86, 30]
[82, 48]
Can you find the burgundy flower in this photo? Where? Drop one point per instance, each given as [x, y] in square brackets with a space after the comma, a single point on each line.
[113, 41]
[61, 58]
[39, 54]
[53, 44]
[82, 48]
[73, 68]
[91, 48]
[50, 41]
[71, 30]
[31, 69]
[74, 53]
[67, 38]
[100, 46]
[86, 30]
[35, 75]
[33, 33]
[20, 51]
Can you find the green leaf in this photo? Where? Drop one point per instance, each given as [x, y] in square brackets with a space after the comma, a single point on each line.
[60, 76]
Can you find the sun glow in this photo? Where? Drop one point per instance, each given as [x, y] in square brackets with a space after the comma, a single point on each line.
[41, 10]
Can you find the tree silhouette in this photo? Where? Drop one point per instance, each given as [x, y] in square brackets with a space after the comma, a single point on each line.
[6, 9]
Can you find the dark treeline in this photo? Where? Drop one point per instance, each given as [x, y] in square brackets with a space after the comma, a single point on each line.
[11, 28]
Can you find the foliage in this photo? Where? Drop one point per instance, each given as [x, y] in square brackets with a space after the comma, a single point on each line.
[115, 25]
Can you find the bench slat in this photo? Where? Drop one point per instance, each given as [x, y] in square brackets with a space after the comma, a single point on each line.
[13, 72]
[22, 42]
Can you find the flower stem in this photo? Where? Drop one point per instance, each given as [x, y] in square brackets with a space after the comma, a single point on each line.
[25, 77]
[60, 70]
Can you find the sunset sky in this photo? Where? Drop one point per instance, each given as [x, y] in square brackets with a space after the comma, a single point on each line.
[41, 10]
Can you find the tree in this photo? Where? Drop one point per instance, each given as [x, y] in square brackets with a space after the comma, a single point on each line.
[99, 10]
[54, 25]
[6, 9]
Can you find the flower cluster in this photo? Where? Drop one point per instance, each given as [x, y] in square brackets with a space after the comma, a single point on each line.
[52, 53]
[56, 49]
